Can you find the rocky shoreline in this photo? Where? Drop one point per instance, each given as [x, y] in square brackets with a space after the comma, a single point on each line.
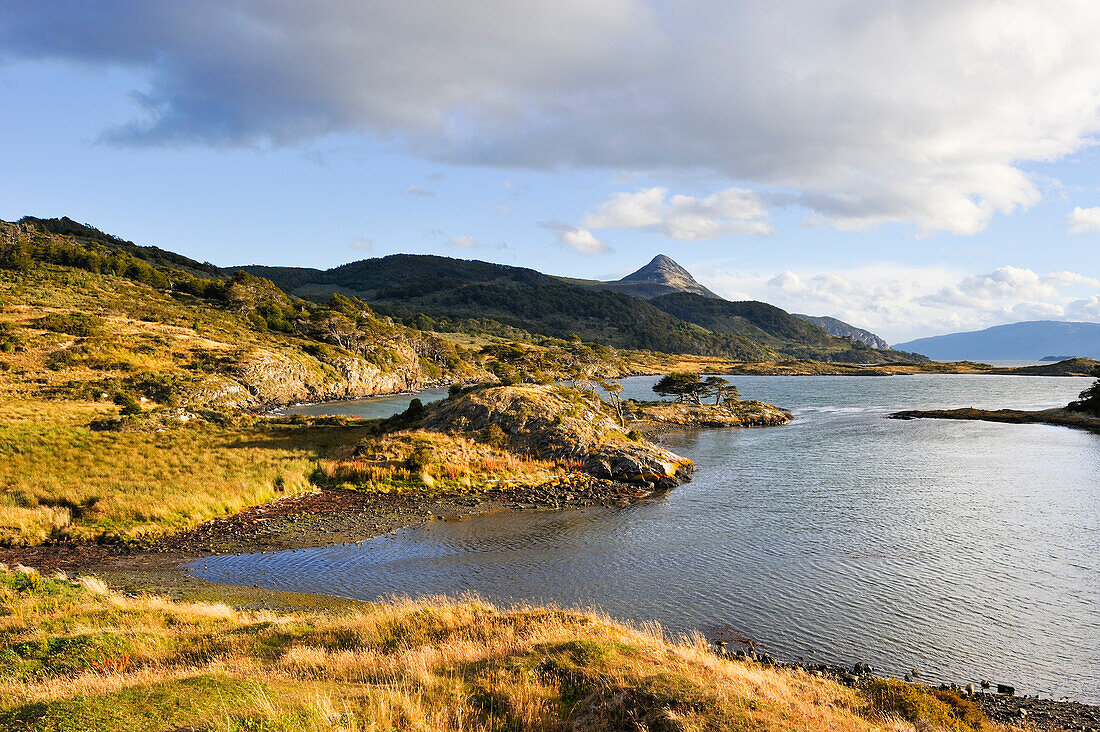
[998, 702]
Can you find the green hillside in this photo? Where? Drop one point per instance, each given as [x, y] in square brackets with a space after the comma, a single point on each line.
[773, 327]
[443, 293]
[84, 313]
[406, 285]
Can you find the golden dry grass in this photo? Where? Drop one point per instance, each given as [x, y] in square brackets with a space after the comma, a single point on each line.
[452, 462]
[74, 655]
[60, 479]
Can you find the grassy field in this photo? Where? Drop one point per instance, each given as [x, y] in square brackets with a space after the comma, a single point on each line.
[75, 656]
[62, 480]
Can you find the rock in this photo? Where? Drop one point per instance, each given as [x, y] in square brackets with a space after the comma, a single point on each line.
[970, 690]
[985, 684]
[1006, 689]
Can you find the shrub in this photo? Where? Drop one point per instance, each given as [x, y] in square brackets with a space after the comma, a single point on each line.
[921, 707]
[493, 435]
[77, 324]
[128, 404]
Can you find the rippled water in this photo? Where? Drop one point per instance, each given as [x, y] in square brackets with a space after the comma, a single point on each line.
[968, 549]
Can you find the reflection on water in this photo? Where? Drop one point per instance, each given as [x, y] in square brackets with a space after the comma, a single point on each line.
[969, 549]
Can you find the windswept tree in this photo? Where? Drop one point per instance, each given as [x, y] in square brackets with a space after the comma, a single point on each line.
[684, 387]
[722, 390]
[1089, 400]
[693, 388]
[614, 391]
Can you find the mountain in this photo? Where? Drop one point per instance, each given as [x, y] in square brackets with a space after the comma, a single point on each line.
[1029, 341]
[455, 294]
[773, 327]
[832, 326]
[440, 293]
[661, 276]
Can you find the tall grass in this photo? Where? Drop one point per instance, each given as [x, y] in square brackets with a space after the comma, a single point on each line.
[61, 480]
[74, 655]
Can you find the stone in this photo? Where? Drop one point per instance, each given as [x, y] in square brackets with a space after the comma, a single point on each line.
[1006, 689]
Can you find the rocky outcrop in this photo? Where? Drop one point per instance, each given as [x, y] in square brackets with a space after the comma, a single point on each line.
[839, 328]
[557, 423]
[265, 379]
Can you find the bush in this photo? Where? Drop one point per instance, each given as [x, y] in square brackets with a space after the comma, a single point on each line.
[129, 406]
[493, 435]
[915, 704]
[77, 324]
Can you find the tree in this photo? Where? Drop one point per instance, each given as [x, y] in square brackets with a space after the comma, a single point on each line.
[721, 389]
[681, 386]
[614, 394]
[1089, 400]
[690, 387]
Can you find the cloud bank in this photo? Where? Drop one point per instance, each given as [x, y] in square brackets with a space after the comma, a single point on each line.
[864, 112]
[902, 303]
[732, 211]
[577, 238]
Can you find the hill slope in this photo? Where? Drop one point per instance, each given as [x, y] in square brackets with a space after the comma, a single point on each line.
[774, 327]
[839, 328]
[1018, 341]
[404, 285]
[84, 313]
[430, 290]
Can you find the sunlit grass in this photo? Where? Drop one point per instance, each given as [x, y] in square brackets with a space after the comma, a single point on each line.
[61, 479]
[74, 655]
[433, 460]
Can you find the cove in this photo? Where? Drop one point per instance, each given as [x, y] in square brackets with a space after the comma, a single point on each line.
[967, 549]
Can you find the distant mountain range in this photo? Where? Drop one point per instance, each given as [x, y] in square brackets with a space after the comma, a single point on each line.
[660, 307]
[1031, 341]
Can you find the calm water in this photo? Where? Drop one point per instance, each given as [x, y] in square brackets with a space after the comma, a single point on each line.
[970, 550]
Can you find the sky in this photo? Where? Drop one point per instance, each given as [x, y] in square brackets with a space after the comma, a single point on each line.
[914, 168]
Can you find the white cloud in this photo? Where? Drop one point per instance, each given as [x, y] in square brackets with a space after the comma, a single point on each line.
[902, 303]
[864, 112]
[577, 238]
[464, 241]
[1084, 220]
[418, 191]
[362, 244]
[732, 211]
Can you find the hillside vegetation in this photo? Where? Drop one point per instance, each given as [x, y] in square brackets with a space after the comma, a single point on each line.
[439, 292]
[76, 656]
[82, 315]
[775, 328]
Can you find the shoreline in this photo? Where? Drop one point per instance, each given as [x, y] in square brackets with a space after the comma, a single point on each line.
[1058, 417]
[294, 523]
[332, 516]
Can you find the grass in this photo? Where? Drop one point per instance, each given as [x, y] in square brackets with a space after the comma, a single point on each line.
[420, 459]
[61, 480]
[149, 663]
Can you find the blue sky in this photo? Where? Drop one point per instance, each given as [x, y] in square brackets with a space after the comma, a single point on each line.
[913, 168]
